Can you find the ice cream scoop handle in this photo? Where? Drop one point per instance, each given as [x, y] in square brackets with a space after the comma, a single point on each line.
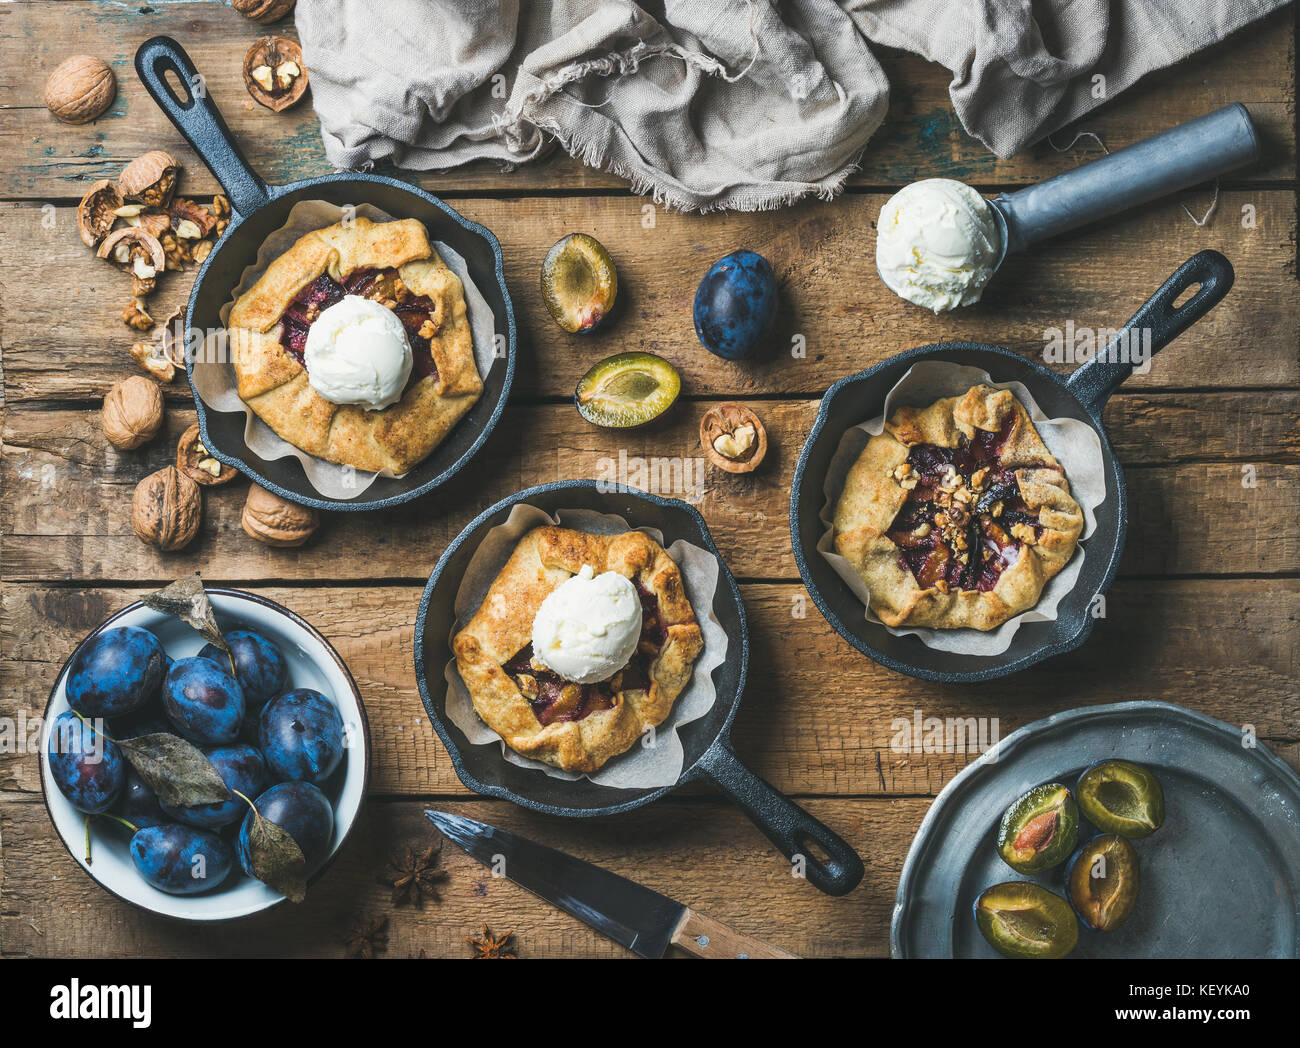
[1178, 158]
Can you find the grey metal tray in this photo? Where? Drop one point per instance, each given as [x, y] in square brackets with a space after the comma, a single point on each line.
[1220, 878]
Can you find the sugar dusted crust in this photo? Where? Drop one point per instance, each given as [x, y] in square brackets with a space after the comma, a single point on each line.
[274, 384]
[502, 627]
[867, 517]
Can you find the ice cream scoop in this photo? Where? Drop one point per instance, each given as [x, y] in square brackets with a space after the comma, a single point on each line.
[588, 626]
[932, 240]
[357, 353]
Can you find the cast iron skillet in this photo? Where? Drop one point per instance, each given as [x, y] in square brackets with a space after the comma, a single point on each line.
[259, 210]
[1082, 395]
[707, 741]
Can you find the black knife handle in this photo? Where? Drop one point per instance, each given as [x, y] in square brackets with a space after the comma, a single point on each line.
[796, 833]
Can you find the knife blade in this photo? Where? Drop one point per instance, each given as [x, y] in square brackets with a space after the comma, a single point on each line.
[634, 916]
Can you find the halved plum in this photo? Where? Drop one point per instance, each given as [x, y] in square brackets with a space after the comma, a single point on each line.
[626, 390]
[1021, 919]
[1039, 829]
[1103, 882]
[1122, 797]
[579, 283]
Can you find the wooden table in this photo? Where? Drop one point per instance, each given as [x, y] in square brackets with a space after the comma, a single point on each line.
[1204, 612]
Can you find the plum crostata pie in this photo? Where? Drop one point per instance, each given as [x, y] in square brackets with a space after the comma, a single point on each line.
[957, 515]
[355, 346]
[581, 643]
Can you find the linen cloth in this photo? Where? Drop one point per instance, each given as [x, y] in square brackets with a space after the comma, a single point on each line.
[708, 104]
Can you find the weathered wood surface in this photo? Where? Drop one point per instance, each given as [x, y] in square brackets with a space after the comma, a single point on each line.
[832, 299]
[921, 136]
[1204, 613]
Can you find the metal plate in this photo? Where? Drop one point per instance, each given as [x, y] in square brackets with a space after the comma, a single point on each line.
[1220, 878]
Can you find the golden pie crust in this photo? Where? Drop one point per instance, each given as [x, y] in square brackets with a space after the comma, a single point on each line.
[877, 487]
[502, 628]
[274, 384]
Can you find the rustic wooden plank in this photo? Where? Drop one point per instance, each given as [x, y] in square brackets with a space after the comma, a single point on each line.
[67, 511]
[817, 717]
[705, 854]
[41, 160]
[835, 308]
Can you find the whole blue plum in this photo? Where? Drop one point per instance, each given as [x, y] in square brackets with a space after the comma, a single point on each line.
[116, 672]
[241, 768]
[203, 701]
[138, 803]
[87, 768]
[260, 666]
[735, 305]
[301, 735]
[181, 860]
[303, 812]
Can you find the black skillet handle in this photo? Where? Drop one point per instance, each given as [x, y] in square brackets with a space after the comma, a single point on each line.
[200, 121]
[787, 825]
[1093, 383]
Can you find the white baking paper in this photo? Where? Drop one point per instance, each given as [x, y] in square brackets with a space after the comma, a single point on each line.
[1075, 445]
[214, 376]
[657, 760]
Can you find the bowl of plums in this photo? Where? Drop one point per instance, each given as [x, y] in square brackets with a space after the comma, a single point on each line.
[204, 753]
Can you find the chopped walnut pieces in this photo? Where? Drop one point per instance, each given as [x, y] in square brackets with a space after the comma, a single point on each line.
[1025, 533]
[150, 356]
[136, 316]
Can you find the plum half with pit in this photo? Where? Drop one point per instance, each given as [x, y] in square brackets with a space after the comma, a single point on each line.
[87, 768]
[735, 305]
[181, 860]
[1039, 829]
[579, 283]
[260, 666]
[116, 672]
[627, 390]
[302, 811]
[203, 702]
[301, 736]
[242, 769]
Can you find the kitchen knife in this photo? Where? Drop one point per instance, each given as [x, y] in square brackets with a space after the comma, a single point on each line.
[644, 921]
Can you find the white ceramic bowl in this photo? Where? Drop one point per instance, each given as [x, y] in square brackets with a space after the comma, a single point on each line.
[313, 663]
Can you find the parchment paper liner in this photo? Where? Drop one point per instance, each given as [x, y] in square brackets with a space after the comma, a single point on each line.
[643, 766]
[214, 375]
[1075, 445]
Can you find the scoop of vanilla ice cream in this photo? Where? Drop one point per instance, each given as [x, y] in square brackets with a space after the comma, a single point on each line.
[937, 243]
[357, 353]
[588, 626]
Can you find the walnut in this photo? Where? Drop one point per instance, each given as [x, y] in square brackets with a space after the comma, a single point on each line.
[193, 460]
[274, 73]
[139, 253]
[150, 356]
[190, 220]
[263, 11]
[134, 315]
[275, 521]
[80, 89]
[149, 179]
[132, 413]
[97, 212]
[733, 438]
[166, 509]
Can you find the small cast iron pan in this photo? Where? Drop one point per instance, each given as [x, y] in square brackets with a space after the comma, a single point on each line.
[1082, 396]
[261, 209]
[707, 741]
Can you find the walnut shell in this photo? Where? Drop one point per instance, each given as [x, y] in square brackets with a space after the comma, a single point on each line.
[274, 73]
[96, 212]
[263, 11]
[80, 89]
[193, 459]
[723, 428]
[275, 521]
[166, 509]
[149, 179]
[132, 413]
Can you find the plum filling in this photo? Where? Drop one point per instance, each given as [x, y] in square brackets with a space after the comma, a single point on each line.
[555, 699]
[418, 313]
[957, 529]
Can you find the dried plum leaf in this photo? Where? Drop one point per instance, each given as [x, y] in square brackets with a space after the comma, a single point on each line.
[174, 769]
[186, 599]
[276, 858]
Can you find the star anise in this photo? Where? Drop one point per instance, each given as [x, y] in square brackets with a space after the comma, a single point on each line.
[489, 947]
[366, 936]
[414, 875]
